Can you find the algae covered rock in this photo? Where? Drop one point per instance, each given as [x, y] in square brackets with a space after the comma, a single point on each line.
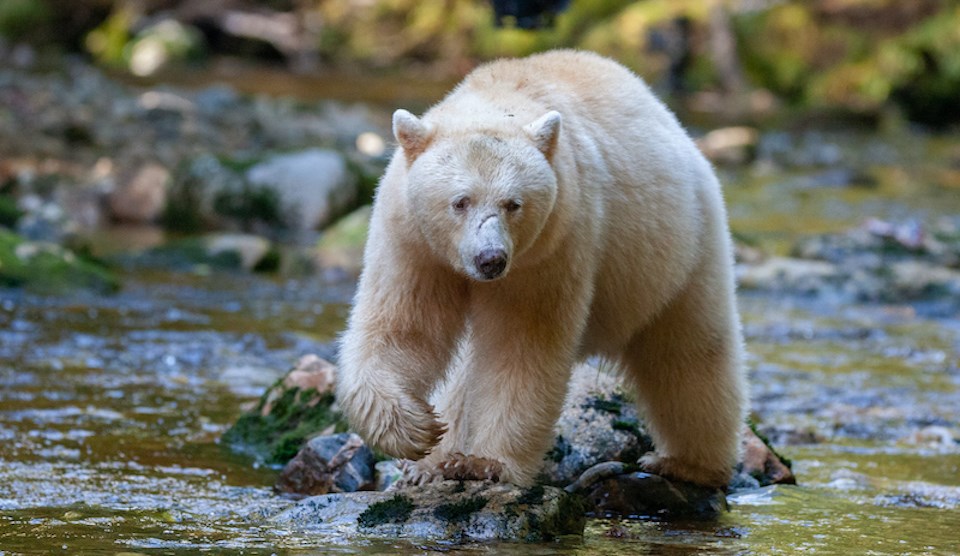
[221, 251]
[297, 407]
[49, 268]
[449, 510]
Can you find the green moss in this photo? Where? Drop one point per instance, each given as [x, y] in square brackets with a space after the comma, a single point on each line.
[249, 206]
[461, 510]
[187, 253]
[293, 418]
[19, 19]
[533, 495]
[394, 510]
[601, 403]
[184, 204]
[270, 262]
[49, 268]
[561, 449]
[569, 519]
[287, 446]
[632, 427]
[9, 212]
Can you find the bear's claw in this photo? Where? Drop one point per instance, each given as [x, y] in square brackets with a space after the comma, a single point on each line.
[462, 467]
[458, 467]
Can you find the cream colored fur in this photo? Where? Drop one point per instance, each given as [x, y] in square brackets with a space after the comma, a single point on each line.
[613, 233]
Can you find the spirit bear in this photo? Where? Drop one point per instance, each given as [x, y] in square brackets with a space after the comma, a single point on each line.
[548, 209]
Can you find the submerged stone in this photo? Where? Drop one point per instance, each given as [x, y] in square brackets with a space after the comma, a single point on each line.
[448, 510]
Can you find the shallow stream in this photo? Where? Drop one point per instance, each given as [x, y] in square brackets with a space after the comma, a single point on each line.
[111, 410]
[111, 407]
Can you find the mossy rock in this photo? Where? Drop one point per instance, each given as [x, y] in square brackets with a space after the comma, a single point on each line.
[276, 429]
[49, 268]
[186, 254]
[448, 511]
[393, 510]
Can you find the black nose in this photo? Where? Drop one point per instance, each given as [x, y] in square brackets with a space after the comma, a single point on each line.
[491, 262]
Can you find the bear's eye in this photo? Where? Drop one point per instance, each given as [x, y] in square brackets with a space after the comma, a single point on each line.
[461, 204]
[511, 205]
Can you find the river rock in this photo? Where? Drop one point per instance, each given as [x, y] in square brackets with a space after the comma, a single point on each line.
[42, 220]
[450, 510]
[613, 490]
[142, 198]
[918, 279]
[730, 145]
[333, 463]
[902, 262]
[296, 408]
[49, 268]
[598, 424]
[314, 185]
[386, 473]
[250, 249]
[788, 274]
[761, 463]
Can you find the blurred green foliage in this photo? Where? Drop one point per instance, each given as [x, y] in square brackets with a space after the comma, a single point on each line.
[18, 18]
[857, 55]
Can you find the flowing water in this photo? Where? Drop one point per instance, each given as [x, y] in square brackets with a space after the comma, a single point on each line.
[111, 407]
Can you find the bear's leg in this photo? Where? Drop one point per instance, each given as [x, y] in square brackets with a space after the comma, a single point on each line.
[523, 351]
[403, 329]
[686, 367]
[451, 401]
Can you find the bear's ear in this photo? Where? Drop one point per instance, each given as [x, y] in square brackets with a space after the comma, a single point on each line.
[412, 134]
[544, 132]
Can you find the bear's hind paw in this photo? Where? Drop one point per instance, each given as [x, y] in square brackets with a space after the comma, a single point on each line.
[673, 468]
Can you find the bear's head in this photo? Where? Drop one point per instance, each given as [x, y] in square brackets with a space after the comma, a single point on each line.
[481, 196]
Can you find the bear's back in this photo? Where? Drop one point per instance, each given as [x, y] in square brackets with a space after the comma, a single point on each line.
[583, 86]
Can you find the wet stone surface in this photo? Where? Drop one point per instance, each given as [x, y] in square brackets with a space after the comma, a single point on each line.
[450, 510]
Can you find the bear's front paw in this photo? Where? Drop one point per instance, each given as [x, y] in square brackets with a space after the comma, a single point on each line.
[456, 467]
[674, 468]
[400, 426]
[460, 467]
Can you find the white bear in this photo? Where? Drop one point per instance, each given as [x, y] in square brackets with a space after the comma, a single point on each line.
[548, 209]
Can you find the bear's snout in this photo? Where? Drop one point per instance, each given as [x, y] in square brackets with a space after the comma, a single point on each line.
[491, 262]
